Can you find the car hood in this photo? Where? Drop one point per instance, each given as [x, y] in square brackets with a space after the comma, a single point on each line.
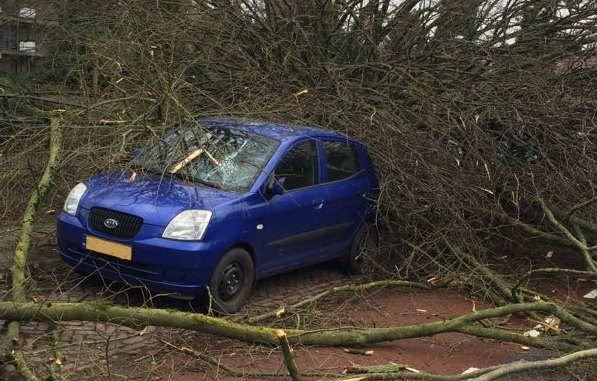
[156, 199]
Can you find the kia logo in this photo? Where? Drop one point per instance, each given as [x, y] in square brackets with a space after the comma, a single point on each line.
[111, 223]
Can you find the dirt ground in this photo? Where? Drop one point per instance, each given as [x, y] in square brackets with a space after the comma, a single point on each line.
[97, 351]
[445, 353]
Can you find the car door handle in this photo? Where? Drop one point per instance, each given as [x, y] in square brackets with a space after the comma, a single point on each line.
[317, 204]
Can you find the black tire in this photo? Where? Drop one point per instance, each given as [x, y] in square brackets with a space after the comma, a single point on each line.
[364, 244]
[231, 282]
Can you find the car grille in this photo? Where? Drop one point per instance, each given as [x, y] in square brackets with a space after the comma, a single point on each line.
[128, 225]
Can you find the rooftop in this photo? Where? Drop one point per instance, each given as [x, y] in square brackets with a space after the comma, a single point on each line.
[279, 131]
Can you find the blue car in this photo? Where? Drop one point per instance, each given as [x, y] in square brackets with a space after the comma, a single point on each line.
[216, 204]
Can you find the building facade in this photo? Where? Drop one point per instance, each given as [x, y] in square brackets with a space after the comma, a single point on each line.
[22, 38]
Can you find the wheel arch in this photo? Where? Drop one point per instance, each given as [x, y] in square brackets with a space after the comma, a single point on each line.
[249, 249]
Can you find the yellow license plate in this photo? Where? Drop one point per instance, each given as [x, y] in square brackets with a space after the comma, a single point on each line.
[110, 248]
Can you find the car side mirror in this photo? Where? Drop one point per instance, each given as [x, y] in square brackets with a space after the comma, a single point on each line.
[275, 186]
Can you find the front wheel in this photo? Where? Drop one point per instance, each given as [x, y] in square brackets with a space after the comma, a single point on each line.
[359, 258]
[231, 282]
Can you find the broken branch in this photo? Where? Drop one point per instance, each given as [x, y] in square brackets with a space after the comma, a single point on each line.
[345, 337]
[288, 357]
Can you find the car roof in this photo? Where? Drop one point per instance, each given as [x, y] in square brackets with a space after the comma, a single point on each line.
[278, 131]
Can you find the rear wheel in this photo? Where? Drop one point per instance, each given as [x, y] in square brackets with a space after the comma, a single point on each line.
[359, 259]
[231, 282]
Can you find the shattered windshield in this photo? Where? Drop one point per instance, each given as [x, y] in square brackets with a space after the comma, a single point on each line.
[216, 157]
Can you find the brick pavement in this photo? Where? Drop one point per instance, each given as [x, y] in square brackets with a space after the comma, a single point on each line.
[88, 345]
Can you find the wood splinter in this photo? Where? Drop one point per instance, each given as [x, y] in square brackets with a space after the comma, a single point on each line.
[362, 352]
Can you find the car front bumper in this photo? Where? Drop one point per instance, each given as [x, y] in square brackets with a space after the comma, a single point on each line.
[160, 264]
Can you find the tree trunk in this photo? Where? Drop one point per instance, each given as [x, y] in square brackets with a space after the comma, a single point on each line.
[141, 317]
[18, 270]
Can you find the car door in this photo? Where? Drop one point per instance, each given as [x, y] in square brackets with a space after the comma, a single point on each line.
[346, 185]
[292, 224]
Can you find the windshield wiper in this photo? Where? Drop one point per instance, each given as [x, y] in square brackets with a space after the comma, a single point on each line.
[186, 177]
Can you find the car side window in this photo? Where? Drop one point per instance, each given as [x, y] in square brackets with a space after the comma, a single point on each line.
[300, 166]
[342, 160]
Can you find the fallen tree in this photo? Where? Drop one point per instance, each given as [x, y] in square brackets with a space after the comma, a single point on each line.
[343, 336]
[478, 114]
[19, 270]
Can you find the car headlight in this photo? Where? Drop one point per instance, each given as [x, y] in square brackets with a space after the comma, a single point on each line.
[188, 225]
[73, 198]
